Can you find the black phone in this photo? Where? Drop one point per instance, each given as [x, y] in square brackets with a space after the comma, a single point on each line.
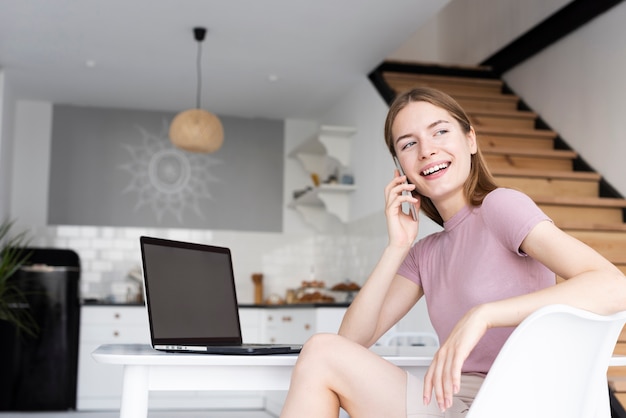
[411, 206]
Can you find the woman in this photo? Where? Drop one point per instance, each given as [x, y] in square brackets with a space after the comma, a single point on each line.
[492, 265]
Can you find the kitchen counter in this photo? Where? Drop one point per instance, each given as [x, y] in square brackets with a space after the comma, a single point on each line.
[101, 302]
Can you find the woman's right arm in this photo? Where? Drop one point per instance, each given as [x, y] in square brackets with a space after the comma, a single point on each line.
[386, 297]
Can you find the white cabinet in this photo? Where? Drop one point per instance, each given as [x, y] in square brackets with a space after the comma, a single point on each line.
[324, 156]
[288, 325]
[100, 385]
[295, 325]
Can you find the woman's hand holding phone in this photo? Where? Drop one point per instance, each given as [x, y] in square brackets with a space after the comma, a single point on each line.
[412, 208]
[402, 227]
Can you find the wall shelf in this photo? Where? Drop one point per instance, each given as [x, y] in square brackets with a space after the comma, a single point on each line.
[325, 156]
[326, 198]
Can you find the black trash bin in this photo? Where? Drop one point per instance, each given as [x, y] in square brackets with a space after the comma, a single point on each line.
[39, 373]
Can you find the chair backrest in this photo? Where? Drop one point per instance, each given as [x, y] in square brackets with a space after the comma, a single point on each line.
[553, 365]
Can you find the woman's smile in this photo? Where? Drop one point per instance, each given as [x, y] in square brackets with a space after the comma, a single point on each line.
[434, 170]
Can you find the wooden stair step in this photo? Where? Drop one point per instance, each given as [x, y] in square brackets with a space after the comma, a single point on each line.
[593, 226]
[610, 244]
[607, 202]
[495, 136]
[469, 98]
[564, 209]
[540, 159]
[452, 85]
[516, 133]
[543, 186]
[487, 101]
[608, 239]
[520, 119]
[546, 174]
[556, 154]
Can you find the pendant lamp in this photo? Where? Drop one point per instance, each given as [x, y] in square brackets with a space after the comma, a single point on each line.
[197, 130]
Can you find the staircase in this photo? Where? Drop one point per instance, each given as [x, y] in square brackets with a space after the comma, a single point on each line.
[523, 153]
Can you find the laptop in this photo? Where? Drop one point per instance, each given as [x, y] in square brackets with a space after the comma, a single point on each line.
[191, 300]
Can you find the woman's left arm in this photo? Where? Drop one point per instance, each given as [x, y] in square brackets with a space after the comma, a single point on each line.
[591, 283]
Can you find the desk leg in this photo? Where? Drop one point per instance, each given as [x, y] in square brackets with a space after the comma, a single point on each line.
[135, 392]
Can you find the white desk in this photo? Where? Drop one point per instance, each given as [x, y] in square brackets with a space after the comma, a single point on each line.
[146, 369]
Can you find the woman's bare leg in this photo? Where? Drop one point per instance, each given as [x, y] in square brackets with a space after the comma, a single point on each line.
[333, 371]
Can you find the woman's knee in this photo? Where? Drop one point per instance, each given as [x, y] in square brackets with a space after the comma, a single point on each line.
[319, 351]
[320, 345]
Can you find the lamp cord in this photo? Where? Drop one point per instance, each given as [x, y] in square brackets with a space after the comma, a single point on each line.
[199, 75]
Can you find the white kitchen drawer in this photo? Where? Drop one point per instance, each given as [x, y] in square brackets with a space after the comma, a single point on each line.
[288, 325]
[115, 334]
[126, 315]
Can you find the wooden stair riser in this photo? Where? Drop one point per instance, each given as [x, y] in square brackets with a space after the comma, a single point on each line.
[516, 161]
[451, 85]
[487, 141]
[509, 121]
[611, 245]
[550, 187]
[564, 214]
[501, 102]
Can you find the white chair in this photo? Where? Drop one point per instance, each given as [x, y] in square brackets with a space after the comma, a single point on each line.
[553, 365]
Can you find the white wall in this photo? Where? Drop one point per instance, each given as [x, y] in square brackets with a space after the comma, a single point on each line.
[581, 92]
[31, 157]
[466, 32]
[6, 145]
[364, 109]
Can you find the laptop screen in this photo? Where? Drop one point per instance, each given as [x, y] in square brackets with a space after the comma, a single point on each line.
[190, 293]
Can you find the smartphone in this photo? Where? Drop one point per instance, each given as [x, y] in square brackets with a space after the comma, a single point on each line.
[411, 206]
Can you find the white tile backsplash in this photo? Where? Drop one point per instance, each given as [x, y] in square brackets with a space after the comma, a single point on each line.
[285, 260]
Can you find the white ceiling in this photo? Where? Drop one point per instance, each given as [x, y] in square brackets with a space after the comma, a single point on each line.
[143, 53]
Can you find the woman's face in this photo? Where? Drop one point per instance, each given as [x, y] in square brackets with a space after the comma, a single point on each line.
[435, 154]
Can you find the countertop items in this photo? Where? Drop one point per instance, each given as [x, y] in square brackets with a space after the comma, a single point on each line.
[257, 279]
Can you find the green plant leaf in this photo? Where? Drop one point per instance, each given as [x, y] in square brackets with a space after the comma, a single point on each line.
[14, 307]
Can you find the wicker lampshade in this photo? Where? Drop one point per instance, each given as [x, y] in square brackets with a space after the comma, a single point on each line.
[197, 130]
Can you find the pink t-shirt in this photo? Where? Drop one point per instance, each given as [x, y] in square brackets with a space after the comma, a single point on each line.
[477, 259]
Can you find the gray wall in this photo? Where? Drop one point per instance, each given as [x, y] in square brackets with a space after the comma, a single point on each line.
[117, 167]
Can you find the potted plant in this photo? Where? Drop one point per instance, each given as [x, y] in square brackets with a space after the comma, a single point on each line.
[14, 307]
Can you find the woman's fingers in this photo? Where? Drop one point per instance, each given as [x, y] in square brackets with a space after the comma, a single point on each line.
[443, 378]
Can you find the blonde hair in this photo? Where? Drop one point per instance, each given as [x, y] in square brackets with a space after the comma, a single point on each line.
[479, 182]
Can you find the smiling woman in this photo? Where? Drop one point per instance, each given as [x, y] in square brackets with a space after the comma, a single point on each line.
[493, 264]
